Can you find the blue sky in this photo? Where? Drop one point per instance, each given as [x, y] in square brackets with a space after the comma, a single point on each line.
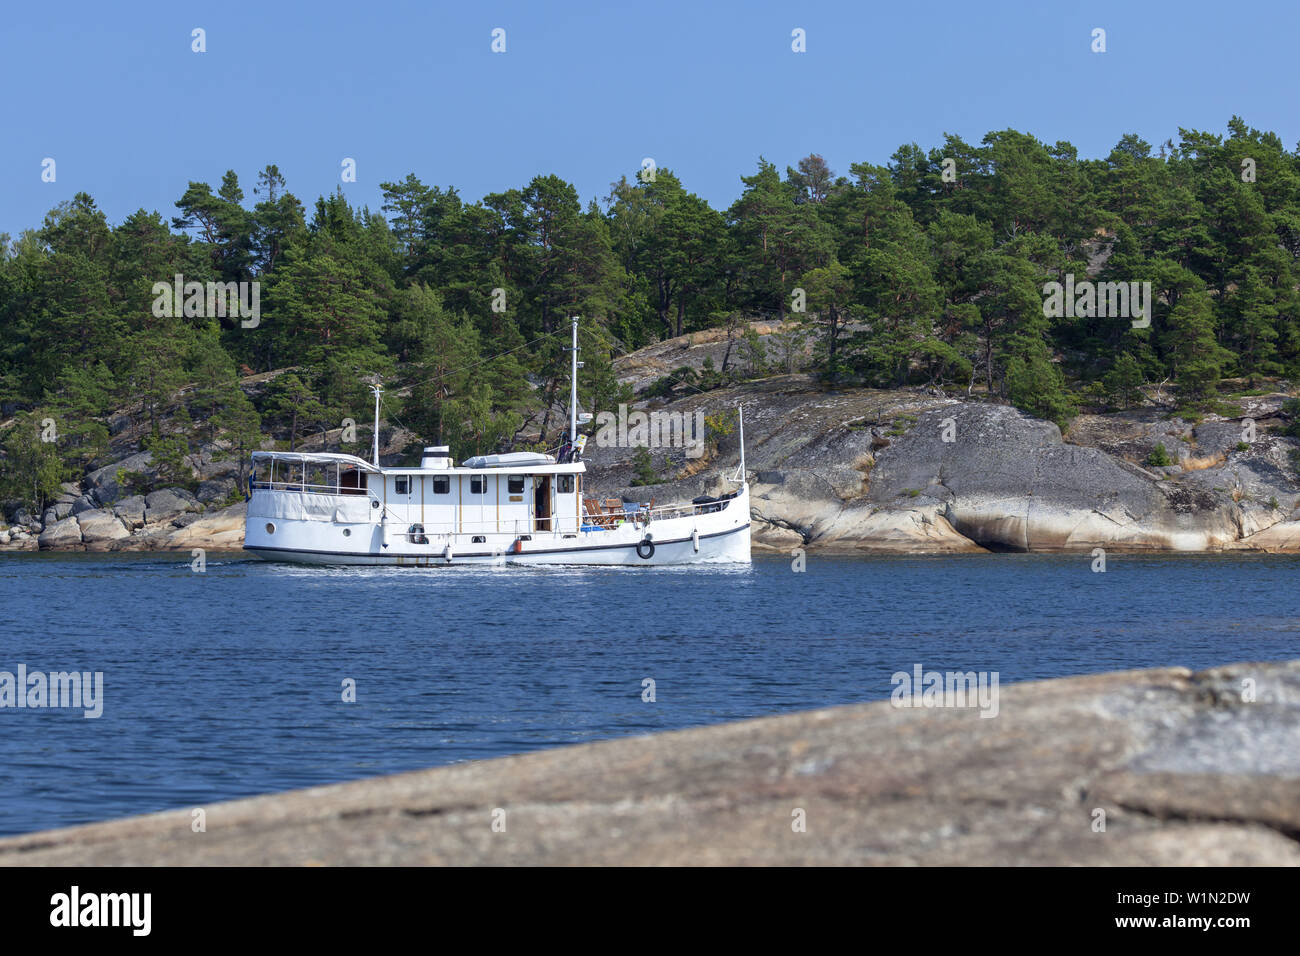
[113, 92]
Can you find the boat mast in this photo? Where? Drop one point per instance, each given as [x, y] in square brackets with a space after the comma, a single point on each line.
[377, 389]
[573, 388]
[739, 476]
[741, 411]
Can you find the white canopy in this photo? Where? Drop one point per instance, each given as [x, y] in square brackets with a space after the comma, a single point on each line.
[315, 458]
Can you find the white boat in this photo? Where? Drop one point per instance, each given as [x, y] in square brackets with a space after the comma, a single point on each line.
[520, 508]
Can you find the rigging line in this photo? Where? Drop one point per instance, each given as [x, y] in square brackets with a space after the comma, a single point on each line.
[618, 345]
[679, 381]
[491, 358]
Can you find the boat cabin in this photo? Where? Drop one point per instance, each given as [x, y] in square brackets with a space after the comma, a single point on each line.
[516, 494]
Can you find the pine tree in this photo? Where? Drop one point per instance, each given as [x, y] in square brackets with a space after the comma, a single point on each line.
[1197, 357]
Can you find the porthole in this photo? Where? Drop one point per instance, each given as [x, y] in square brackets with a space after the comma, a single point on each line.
[347, 532]
[270, 528]
[374, 502]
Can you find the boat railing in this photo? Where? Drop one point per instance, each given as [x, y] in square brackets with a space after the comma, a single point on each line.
[606, 520]
[687, 510]
[309, 489]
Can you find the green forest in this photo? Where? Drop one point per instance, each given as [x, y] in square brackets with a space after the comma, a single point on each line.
[927, 270]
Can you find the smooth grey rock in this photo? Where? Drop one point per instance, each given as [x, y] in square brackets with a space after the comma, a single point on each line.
[62, 509]
[82, 504]
[1253, 479]
[1219, 438]
[4, 537]
[186, 520]
[100, 530]
[49, 517]
[118, 424]
[1134, 435]
[868, 470]
[215, 489]
[1184, 770]
[61, 534]
[209, 467]
[153, 538]
[70, 488]
[103, 481]
[131, 511]
[169, 502]
[216, 530]
[1012, 484]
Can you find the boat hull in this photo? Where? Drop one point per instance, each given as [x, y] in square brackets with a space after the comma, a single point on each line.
[708, 537]
[731, 547]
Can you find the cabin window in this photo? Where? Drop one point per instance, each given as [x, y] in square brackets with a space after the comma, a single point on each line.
[479, 539]
[402, 486]
[476, 483]
[564, 485]
[441, 486]
[516, 484]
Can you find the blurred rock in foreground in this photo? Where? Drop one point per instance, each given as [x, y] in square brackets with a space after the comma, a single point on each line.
[1182, 770]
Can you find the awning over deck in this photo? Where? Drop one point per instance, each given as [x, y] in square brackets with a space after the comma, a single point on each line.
[315, 458]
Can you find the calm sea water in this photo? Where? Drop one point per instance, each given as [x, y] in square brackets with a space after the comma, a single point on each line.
[229, 683]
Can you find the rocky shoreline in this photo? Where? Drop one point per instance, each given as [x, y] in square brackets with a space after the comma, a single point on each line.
[1143, 768]
[917, 471]
[849, 471]
[101, 516]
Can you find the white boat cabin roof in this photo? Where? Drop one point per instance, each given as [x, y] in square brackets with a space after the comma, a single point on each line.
[534, 465]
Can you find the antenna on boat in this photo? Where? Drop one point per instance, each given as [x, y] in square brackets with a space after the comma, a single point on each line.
[573, 388]
[740, 472]
[378, 390]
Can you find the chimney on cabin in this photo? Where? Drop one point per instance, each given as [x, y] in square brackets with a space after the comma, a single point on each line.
[436, 457]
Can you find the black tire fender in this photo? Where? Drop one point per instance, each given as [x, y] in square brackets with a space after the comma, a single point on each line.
[645, 548]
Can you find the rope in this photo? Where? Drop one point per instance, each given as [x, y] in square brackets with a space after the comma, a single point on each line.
[491, 358]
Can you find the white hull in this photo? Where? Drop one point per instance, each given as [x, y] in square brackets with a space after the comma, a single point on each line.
[279, 529]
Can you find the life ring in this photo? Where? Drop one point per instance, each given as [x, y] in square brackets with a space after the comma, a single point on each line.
[645, 549]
